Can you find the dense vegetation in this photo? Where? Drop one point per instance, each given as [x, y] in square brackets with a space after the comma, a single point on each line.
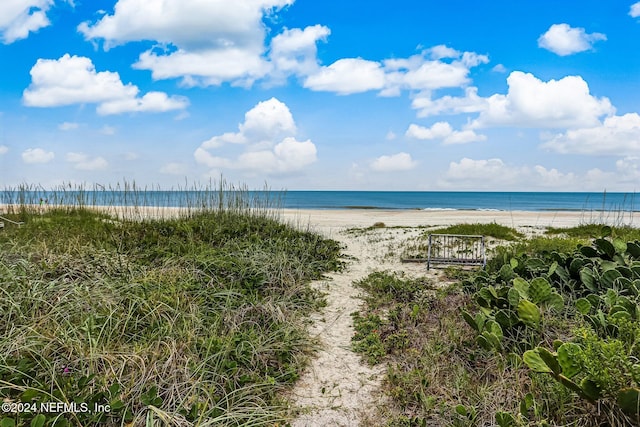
[197, 320]
[548, 334]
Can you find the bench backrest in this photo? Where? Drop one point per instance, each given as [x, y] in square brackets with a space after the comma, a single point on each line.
[456, 249]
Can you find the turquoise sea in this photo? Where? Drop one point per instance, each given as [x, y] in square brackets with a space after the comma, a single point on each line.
[500, 201]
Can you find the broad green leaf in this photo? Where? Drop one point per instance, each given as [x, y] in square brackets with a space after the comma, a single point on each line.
[470, 320]
[522, 286]
[506, 318]
[605, 247]
[570, 385]
[588, 280]
[570, 359]
[38, 421]
[609, 277]
[529, 313]
[534, 361]
[506, 273]
[590, 389]
[539, 290]
[555, 302]
[633, 249]
[588, 251]
[483, 342]
[576, 265]
[583, 306]
[629, 401]
[493, 340]
[619, 245]
[550, 359]
[513, 296]
[494, 328]
[552, 268]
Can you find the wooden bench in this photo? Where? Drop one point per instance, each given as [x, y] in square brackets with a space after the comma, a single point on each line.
[456, 249]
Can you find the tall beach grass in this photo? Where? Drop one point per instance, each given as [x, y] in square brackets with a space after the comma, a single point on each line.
[179, 317]
[131, 201]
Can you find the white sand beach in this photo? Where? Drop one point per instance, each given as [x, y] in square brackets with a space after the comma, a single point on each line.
[347, 218]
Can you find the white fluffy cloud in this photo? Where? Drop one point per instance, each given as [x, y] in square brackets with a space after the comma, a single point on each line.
[208, 68]
[347, 76]
[429, 71]
[530, 102]
[563, 40]
[444, 131]
[287, 156]
[634, 11]
[393, 163]
[470, 103]
[74, 80]
[436, 131]
[18, 18]
[267, 137]
[499, 68]
[496, 174]
[543, 177]
[187, 23]
[479, 170]
[616, 135]
[37, 155]
[3, 149]
[628, 169]
[150, 102]
[82, 161]
[295, 51]
[267, 121]
[215, 42]
[435, 68]
[210, 41]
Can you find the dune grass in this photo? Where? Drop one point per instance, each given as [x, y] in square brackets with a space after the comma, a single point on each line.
[491, 229]
[194, 320]
[587, 231]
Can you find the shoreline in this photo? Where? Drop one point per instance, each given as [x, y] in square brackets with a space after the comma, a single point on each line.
[350, 218]
[362, 218]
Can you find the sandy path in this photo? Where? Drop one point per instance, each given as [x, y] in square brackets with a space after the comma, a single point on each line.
[338, 389]
[337, 386]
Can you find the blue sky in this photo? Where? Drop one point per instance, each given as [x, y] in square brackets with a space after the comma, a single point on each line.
[299, 94]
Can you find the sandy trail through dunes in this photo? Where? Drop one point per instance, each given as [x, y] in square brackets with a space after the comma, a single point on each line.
[338, 389]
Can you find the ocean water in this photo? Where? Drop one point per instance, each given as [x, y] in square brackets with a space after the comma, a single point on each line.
[499, 201]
